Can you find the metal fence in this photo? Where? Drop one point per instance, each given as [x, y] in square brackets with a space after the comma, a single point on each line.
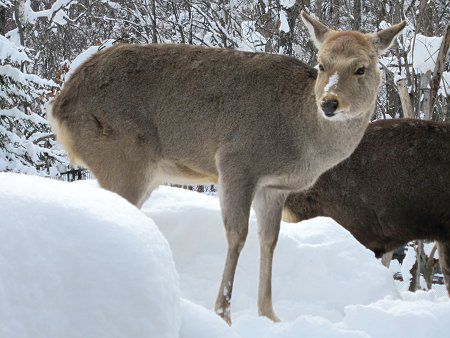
[75, 175]
[84, 174]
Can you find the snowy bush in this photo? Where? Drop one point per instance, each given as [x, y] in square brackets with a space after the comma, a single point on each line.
[81, 262]
[26, 140]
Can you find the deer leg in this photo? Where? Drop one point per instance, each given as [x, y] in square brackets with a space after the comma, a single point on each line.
[236, 198]
[268, 206]
[387, 258]
[444, 261]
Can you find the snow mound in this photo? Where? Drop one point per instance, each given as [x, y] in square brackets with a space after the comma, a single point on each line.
[415, 316]
[319, 268]
[198, 322]
[77, 261]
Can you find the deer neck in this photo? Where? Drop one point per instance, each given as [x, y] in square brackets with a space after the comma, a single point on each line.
[336, 140]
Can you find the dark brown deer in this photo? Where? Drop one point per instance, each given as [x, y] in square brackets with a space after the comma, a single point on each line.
[261, 125]
[393, 189]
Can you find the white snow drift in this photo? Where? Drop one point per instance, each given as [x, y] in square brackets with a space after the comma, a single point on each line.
[77, 261]
[318, 266]
[325, 283]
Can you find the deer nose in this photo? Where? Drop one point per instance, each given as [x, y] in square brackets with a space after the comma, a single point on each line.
[329, 106]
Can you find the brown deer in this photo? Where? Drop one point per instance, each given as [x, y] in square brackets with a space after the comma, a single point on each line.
[260, 125]
[393, 189]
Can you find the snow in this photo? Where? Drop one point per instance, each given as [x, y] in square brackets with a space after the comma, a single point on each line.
[252, 40]
[422, 55]
[287, 3]
[332, 81]
[284, 24]
[325, 283]
[9, 50]
[313, 260]
[409, 318]
[428, 247]
[55, 13]
[21, 149]
[425, 52]
[408, 263]
[16, 75]
[77, 261]
[85, 55]
[80, 59]
[199, 322]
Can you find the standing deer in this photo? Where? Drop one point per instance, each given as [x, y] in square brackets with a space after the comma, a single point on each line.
[393, 189]
[260, 125]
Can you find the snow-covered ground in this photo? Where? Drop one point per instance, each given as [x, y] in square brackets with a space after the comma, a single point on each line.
[81, 262]
[325, 283]
[94, 263]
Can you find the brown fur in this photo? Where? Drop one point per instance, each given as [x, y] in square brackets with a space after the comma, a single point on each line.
[141, 115]
[393, 189]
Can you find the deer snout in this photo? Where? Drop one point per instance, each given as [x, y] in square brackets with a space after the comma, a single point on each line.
[329, 106]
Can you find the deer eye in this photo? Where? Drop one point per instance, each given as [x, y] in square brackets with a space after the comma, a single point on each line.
[321, 68]
[360, 71]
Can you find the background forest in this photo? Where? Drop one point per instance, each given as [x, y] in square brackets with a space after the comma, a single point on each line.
[39, 39]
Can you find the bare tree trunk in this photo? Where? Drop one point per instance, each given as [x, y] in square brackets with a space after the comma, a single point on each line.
[429, 267]
[190, 37]
[357, 15]
[415, 270]
[2, 20]
[392, 97]
[18, 15]
[177, 20]
[408, 111]
[439, 69]
[419, 251]
[154, 28]
[292, 16]
[425, 95]
[425, 18]
[447, 118]
[413, 284]
[319, 8]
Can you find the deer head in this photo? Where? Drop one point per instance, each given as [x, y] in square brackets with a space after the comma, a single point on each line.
[348, 79]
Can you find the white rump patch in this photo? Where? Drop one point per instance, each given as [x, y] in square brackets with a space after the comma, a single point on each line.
[332, 81]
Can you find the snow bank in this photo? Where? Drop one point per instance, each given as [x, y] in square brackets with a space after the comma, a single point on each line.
[198, 322]
[82, 261]
[313, 260]
[415, 316]
[77, 261]
[326, 285]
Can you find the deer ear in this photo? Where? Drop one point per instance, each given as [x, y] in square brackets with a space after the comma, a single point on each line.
[317, 30]
[384, 38]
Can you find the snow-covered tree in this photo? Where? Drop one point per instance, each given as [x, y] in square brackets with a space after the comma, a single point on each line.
[26, 141]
